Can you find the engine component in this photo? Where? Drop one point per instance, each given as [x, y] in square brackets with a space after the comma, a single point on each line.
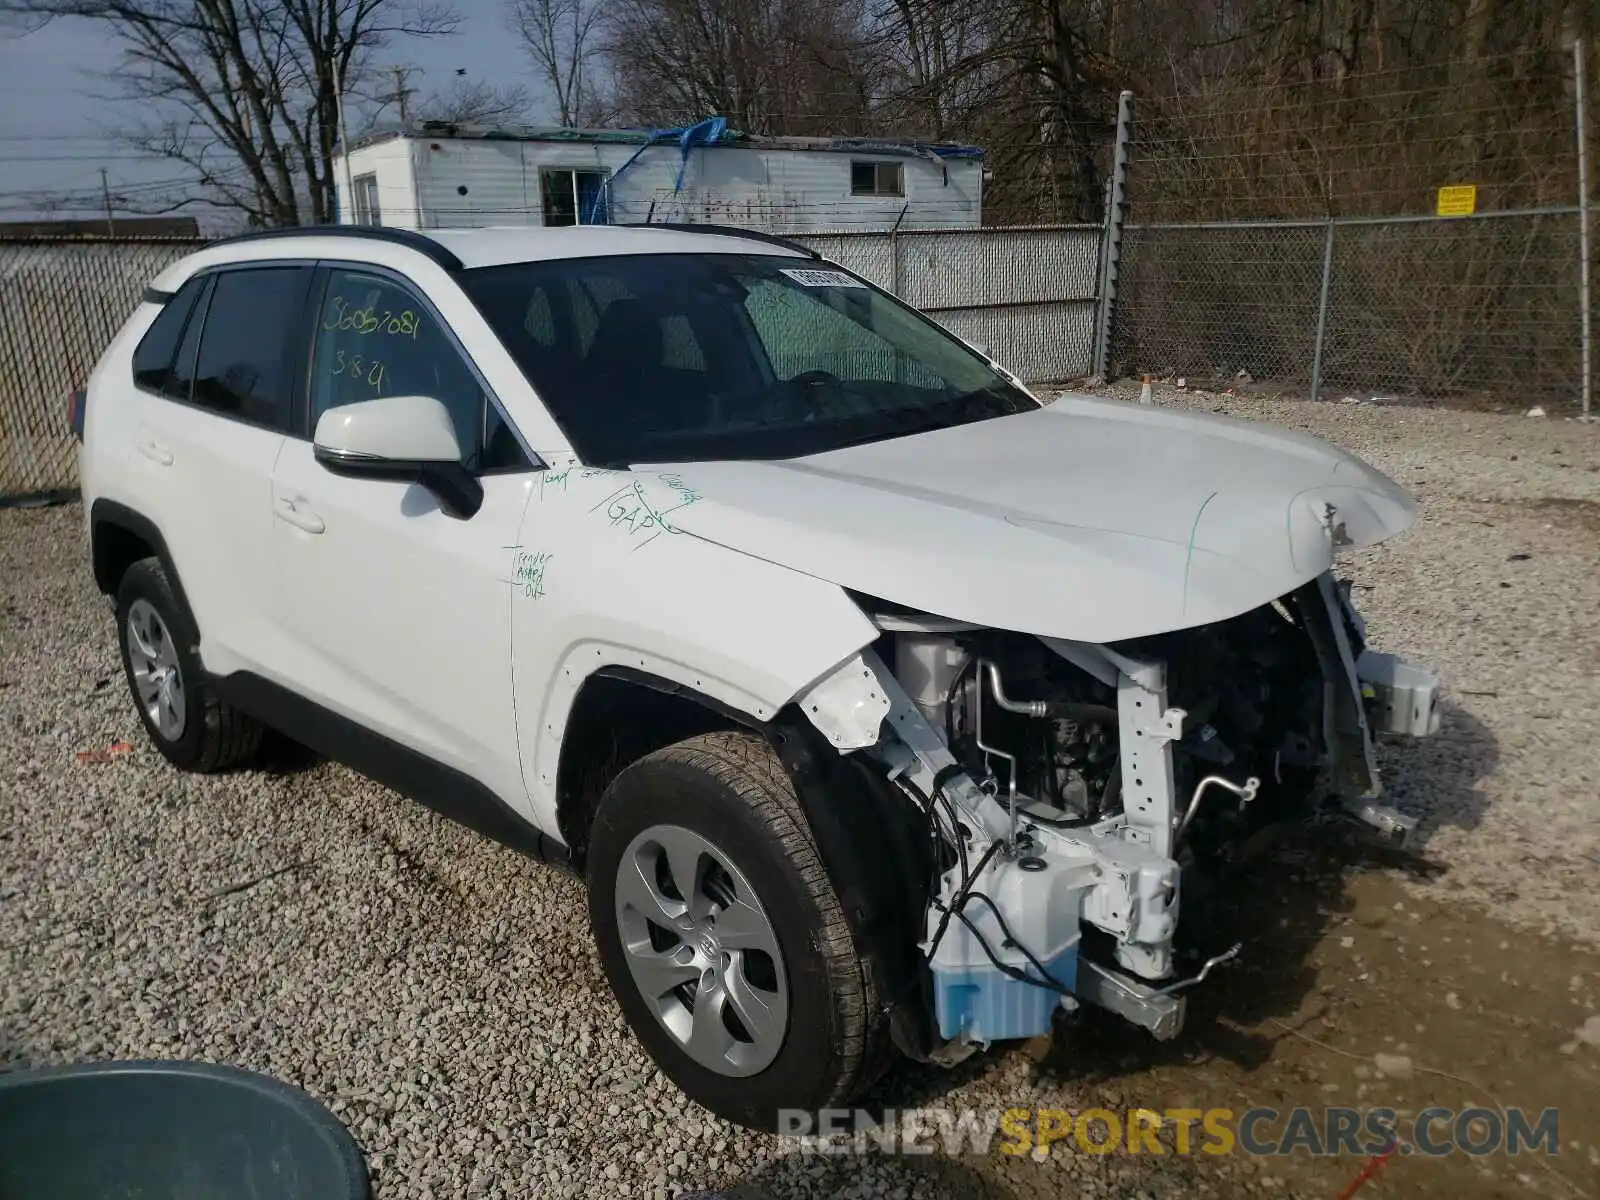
[1246, 794]
[1063, 709]
[1072, 744]
[1011, 762]
[1085, 852]
[978, 994]
[927, 664]
[1400, 697]
[1393, 827]
[1216, 960]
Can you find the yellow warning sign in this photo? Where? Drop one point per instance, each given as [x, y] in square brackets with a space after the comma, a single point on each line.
[1458, 200]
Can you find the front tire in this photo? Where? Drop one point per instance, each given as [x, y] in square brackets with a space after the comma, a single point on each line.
[721, 935]
[182, 714]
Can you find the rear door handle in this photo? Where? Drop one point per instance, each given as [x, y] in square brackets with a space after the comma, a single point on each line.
[293, 509]
[154, 451]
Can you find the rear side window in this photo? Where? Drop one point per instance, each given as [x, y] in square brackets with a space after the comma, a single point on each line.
[156, 359]
[189, 348]
[243, 369]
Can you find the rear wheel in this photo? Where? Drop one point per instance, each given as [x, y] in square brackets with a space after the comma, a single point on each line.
[182, 714]
[721, 935]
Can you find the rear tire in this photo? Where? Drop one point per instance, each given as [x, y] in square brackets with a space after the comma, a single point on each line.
[177, 702]
[753, 929]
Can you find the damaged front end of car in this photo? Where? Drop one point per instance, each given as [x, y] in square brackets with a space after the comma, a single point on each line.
[1072, 794]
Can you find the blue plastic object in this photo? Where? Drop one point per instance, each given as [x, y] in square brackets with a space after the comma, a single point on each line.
[987, 1005]
[170, 1131]
[702, 133]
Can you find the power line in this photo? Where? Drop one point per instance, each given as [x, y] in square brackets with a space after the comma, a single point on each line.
[58, 137]
[96, 158]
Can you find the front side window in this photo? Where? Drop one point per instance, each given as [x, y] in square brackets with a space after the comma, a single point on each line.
[375, 339]
[242, 368]
[677, 357]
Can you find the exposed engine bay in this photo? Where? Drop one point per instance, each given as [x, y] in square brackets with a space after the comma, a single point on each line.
[1077, 793]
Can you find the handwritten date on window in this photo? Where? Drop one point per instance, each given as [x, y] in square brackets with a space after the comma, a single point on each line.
[353, 365]
[342, 318]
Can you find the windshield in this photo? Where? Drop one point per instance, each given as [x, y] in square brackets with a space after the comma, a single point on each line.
[679, 357]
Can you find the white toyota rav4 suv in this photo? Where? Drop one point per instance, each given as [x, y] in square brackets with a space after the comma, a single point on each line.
[885, 709]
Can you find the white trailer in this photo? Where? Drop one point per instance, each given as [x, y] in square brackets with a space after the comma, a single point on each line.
[433, 175]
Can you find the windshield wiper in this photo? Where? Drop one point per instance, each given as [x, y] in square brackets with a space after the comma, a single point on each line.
[1004, 402]
[893, 423]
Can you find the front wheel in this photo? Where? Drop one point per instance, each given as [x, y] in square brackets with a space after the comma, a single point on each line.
[721, 935]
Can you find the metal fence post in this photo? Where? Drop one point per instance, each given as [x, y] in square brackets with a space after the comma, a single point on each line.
[1111, 239]
[894, 250]
[1580, 76]
[1322, 312]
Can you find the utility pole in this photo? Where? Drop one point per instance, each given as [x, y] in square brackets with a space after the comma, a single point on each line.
[344, 151]
[402, 93]
[105, 194]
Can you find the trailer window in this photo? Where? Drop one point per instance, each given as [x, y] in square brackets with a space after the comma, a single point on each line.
[877, 179]
[573, 197]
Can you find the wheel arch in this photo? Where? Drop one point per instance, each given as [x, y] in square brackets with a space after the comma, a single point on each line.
[872, 840]
[120, 536]
[618, 716]
[610, 703]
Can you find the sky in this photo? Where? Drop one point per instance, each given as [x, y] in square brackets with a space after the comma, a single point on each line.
[57, 104]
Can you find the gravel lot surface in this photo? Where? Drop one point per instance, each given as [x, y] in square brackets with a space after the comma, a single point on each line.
[442, 994]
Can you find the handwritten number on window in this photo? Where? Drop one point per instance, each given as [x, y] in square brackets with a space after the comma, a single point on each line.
[341, 318]
[357, 368]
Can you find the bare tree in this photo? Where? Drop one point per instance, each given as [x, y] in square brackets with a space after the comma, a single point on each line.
[792, 66]
[470, 102]
[560, 37]
[928, 63]
[243, 92]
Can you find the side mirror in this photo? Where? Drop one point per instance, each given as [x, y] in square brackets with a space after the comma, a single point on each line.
[409, 439]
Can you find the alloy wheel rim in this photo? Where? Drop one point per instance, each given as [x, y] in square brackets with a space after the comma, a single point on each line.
[157, 678]
[702, 951]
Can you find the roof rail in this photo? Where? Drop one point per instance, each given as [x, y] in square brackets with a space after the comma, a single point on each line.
[419, 242]
[754, 235]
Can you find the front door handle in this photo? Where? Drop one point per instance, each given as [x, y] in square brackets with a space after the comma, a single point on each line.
[154, 451]
[294, 510]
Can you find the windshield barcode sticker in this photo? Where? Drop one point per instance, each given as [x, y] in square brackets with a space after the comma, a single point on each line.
[806, 278]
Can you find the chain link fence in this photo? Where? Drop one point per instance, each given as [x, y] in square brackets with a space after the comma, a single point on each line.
[1292, 234]
[61, 302]
[1483, 308]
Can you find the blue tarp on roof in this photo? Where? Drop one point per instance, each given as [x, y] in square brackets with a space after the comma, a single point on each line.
[724, 136]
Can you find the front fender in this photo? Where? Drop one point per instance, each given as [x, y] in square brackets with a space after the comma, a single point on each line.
[595, 591]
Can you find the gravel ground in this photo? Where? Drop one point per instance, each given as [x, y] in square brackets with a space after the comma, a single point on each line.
[442, 994]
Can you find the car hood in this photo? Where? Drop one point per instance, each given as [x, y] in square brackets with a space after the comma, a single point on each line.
[1088, 519]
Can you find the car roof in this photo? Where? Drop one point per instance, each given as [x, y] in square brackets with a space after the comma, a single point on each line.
[496, 247]
[458, 249]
